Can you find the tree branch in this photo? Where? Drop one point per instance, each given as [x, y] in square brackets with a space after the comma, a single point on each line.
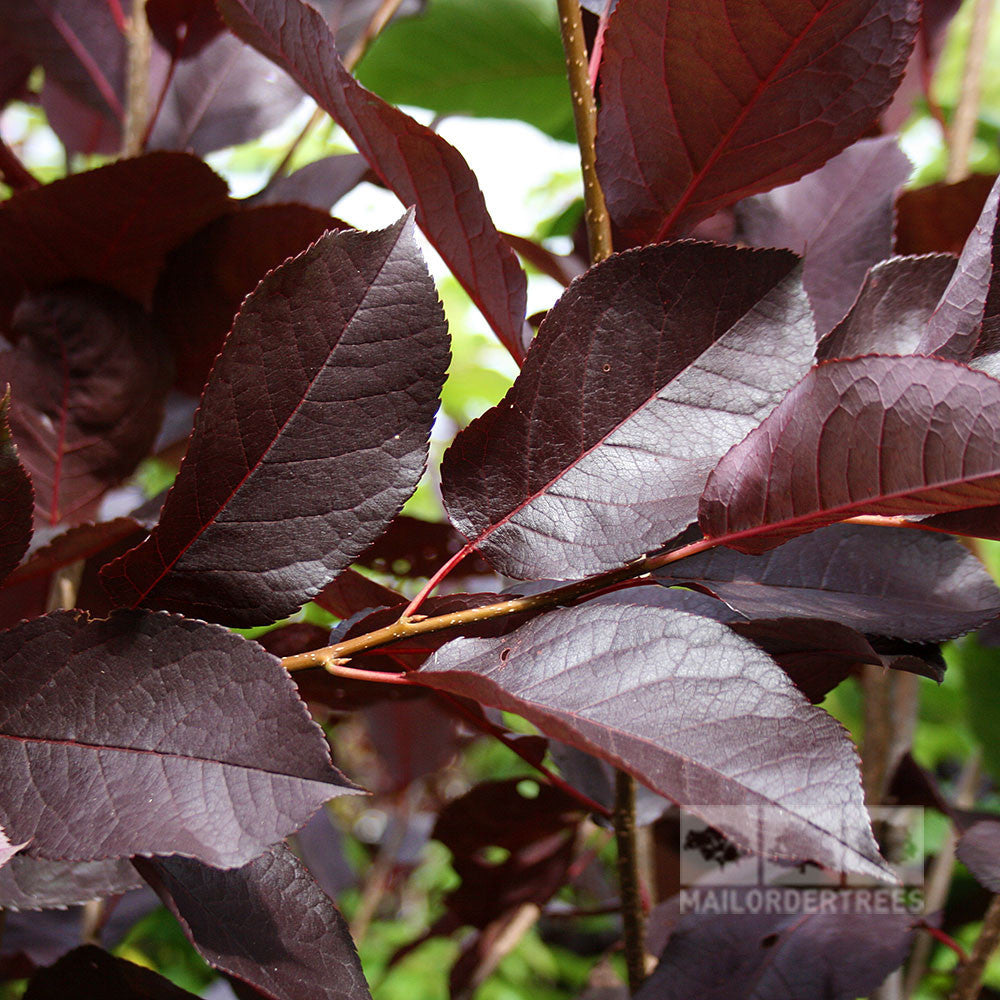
[963, 127]
[585, 115]
[970, 975]
[140, 42]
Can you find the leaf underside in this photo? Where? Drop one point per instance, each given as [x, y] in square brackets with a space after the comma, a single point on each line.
[638, 687]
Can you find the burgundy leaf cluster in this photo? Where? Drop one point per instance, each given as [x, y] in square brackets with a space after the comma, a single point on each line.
[726, 479]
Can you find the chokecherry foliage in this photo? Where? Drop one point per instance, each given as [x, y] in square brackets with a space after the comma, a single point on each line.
[648, 524]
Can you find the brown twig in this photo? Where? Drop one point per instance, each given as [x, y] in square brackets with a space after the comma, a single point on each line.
[939, 876]
[377, 879]
[963, 126]
[140, 45]
[63, 587]
[559, 597]
[628, 880]
[600, 243]
[890, 718]
[585, 115]
[382, 16]
[970, 975]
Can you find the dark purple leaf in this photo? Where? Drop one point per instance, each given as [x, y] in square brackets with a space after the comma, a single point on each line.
[655, 596]
[297, 637]
[225, 95]
[418, 165]
[89, 378]
[411, 738]
[114, 225]
[559, 267]
[639, 687]
[90, 971]
[979, 850]
[935, 17]
[920, 658]
[80, 128]
[836, 955]
[29, 883]
[817, 655]
[411, 547]
[146, 733]
[14, 71]
[870, 435]
[321, 846]
[839, 218]
[939, 218]
[16, 498]
[704, 104]
[599, 451]
[954, 328]
[25, 599]
[311, 435]
[320, 184]
[77, 42]
[206, 279]
[891, 313]
[351, 592]
[914, 585]
[537, 833]
[184, 27]
[268, 924]
[79, 542]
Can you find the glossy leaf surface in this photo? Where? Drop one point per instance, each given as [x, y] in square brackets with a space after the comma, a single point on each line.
[914, 585]
[870, 435]
[598, 453]
[897, 301]
[89, 379]
[705, 103]
[146, 734]
[784, 956]
[310, 436]
[839, 237]
[953, 330]
[267, 923]
[639, 687]
[419, 166]
[16, 498]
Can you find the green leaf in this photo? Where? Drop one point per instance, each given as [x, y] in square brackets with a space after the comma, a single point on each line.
[501, 59]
